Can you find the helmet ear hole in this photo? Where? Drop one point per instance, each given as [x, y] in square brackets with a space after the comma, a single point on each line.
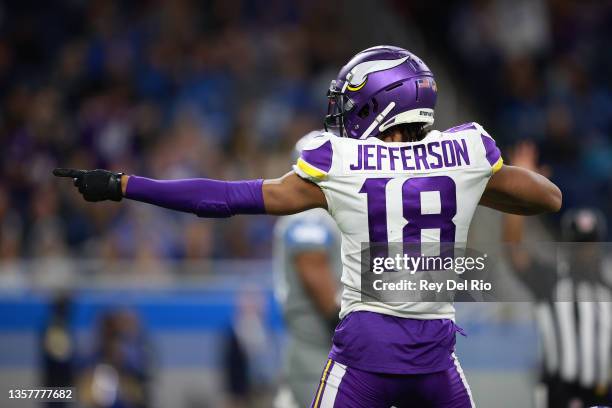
[392, 87]
[374, 105]
[364, 112]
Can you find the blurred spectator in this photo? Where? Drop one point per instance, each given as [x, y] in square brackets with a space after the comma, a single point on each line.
[11, 238]
[118, 373]
[248, 347]
[58, 347]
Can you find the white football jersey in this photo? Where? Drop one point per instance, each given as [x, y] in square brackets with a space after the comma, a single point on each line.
[425, 191]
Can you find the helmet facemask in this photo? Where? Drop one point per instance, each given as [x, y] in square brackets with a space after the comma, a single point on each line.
[337, 107]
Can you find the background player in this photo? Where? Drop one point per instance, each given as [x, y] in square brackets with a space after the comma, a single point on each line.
[387, 180]
[307, 285]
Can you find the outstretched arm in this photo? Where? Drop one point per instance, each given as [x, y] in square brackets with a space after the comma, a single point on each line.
[520, 190]
[204, 197]
[291, 194]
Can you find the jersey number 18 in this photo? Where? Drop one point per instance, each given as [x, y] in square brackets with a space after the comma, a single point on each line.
[375, 188]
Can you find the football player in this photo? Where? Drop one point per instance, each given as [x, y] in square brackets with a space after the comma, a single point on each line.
[383, 176]
[307, 270]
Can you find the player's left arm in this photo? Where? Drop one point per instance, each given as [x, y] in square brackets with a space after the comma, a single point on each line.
[515, 190]
[204, 197]
[521, 189]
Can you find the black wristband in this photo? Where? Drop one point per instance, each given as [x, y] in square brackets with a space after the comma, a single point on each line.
[114, 187]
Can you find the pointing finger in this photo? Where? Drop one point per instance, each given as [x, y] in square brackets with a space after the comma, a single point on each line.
[72, 173]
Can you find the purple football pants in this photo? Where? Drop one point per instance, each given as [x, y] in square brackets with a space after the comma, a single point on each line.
[346, 387]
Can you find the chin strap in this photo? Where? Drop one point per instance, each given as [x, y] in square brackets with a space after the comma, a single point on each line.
[378, 119]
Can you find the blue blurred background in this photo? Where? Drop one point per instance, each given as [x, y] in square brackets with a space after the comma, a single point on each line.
[223, 89]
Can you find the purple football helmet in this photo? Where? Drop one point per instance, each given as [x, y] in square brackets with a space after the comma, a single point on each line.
[380, 87]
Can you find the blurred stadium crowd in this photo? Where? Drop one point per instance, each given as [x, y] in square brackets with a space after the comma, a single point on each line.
[223, 89]
[169, 89]
[537, 70]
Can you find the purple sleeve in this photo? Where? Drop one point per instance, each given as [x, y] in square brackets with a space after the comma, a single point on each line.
[203, 197]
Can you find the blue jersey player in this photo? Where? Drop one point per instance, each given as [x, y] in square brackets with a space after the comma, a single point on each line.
[384, 176]
[307, 269]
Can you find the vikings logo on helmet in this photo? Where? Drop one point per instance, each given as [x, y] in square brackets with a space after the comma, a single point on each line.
[380, 87]
[357, 77]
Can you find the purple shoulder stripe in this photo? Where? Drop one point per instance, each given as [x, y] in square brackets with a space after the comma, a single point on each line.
[321, 157]
[459, 128]
[491, 149]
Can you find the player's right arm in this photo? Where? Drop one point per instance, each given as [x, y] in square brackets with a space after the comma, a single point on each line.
[289, 194]
[204, 197]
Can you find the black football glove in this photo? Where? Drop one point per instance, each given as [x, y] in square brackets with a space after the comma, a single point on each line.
[94, 185]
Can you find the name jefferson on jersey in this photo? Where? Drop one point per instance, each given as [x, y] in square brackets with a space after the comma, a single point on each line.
[356, 176]
[430, 156]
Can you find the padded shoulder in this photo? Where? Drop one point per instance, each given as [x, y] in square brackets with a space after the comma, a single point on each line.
[473, 126]
[316, 158]
[491, 151]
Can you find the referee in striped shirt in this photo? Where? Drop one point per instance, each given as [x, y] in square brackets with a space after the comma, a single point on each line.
[573, 305]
